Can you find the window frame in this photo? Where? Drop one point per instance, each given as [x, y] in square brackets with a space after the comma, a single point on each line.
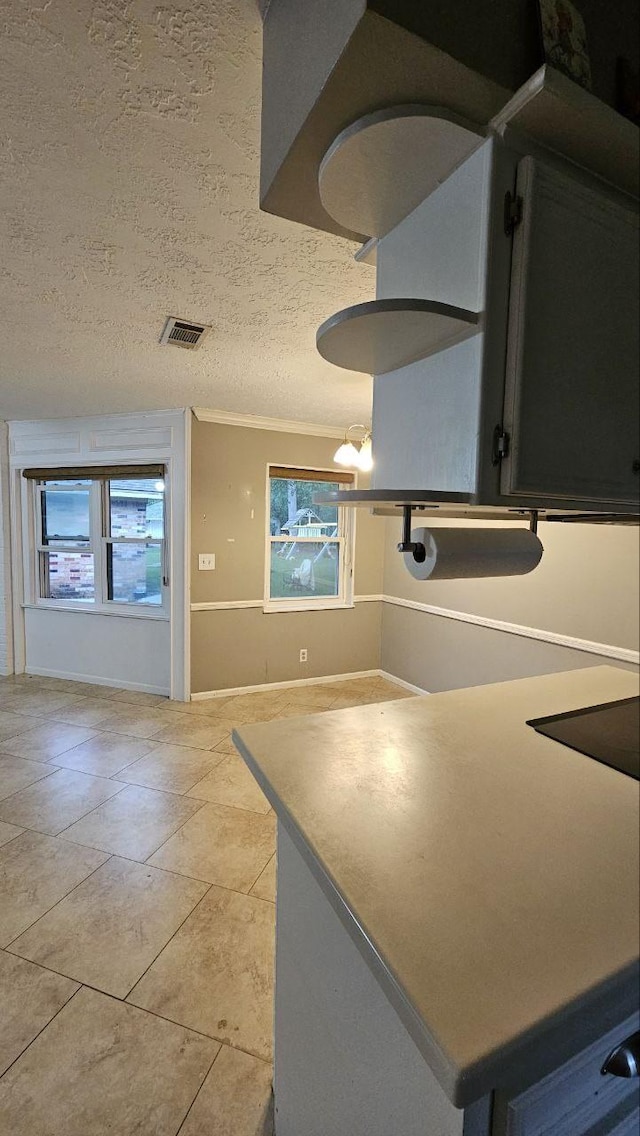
[99, 540]
[345, 539]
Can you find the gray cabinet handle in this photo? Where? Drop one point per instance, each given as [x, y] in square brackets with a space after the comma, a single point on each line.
[624, 1060]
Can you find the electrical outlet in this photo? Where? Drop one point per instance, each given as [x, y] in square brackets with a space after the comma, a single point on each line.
[206, 562]
[303, 655]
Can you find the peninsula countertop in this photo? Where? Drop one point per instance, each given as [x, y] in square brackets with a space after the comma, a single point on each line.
[488, 874]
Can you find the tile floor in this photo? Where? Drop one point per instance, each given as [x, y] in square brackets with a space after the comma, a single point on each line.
[137, 889]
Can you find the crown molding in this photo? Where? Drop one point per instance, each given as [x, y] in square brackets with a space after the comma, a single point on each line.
[254, 422]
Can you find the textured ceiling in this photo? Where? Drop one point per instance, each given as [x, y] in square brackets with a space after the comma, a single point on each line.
[128, 192]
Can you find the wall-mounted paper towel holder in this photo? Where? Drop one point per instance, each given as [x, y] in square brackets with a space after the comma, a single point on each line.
[407, 544]
[445, 553]
[418, 549]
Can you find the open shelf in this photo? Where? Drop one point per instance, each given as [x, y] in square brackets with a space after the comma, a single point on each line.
[372, 497]
[560, 114]
[383, 335]
[443, 503]
[382, 166]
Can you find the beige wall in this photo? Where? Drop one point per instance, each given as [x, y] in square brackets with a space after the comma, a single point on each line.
[586, 587]
[242, 647]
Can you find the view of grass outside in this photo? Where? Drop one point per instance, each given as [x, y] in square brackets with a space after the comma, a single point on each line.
[304, 553]
[299, 573]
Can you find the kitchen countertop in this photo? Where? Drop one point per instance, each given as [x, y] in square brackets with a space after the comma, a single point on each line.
[488, 874]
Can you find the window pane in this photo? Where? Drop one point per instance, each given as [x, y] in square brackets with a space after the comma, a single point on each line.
[304, 569]
[65, 513]
[136, 508]
[293, 511]
[68, 576]
[135, 573]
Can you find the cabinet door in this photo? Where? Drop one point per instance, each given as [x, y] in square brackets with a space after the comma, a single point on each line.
[575, 1099]
[572, 402]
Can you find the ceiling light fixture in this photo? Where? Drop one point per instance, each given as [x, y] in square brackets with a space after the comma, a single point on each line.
[348, 454]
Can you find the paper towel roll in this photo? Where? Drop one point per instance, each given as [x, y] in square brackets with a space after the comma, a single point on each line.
[466, 554]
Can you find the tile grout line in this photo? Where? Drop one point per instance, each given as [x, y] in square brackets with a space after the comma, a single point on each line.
[258, 877]
[7, 946]
[53, 835]
[169, 940]
[47, 1024]
[184, 1118]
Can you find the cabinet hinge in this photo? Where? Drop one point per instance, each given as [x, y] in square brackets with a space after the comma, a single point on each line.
[512, 212]
[500, 445]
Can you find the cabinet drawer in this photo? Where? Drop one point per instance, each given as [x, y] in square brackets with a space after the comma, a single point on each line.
[575, 1099]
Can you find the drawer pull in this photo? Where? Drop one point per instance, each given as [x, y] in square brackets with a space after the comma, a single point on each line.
[624, 1060]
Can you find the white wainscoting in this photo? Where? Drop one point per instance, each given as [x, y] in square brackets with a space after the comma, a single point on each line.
[110, 650]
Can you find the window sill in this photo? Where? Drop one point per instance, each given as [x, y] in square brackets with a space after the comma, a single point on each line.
[278, 608]
[123, 611]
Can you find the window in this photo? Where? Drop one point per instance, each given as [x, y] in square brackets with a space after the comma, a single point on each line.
[100, 541]
[309, 557]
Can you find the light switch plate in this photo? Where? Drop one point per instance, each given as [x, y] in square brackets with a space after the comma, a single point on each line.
[206, 561]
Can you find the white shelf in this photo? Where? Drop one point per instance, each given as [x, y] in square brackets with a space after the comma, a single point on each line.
[560, 114]
[383, 165]
[384, 335]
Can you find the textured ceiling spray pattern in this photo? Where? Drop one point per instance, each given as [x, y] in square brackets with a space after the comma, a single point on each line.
[128, 191]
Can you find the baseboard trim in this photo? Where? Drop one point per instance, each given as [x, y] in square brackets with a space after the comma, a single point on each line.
[202, 695]
[607, 650]
[97, 680]
[402, 682]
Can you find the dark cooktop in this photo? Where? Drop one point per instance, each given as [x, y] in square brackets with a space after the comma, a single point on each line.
[609, 733]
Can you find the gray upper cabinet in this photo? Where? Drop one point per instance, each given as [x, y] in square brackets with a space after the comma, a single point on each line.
[571, 395]
[540, 409]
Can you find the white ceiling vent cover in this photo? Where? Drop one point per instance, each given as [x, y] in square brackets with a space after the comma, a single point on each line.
[183, 333]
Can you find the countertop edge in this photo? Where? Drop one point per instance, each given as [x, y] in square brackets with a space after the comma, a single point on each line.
[530, 1056]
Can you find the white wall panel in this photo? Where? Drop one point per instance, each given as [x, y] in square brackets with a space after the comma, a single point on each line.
[116, 650]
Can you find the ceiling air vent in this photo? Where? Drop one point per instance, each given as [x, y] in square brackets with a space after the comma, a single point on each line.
[181, 333]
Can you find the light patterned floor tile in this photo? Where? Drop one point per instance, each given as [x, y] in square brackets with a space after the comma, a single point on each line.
[102, 1066]
[134, 721]
[41, 702]
[46, 742]
[202, 708]
[83, 712]
[29, 998]
[13, 724]
[226, 745]
[201, 733]
[142, 698]
[55, 802]
[35, 872]
[314, 697]
[17, 772]
[105, 754]
[231, 783]
[265, 885]
[295, 710]
[216, 974]
[235, 1100]
[111, 927]
[134, 823]
[222, 845]
[172, 768]
[8, 832]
